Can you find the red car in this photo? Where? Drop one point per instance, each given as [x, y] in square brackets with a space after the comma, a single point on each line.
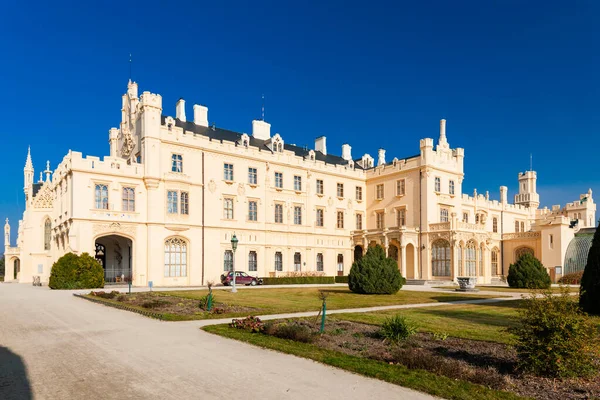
[241, 278]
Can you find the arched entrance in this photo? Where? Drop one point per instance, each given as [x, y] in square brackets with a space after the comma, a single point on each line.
[17, 268]
[410, 261]
[358, 252]
[114, 253]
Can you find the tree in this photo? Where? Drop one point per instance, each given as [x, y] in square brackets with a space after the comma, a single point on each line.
[2, 266]
[589, 297]
[76, 272]
[528, 273]
[375, 274]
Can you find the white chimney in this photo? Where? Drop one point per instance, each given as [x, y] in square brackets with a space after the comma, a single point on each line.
[381, 157]
[346, 152]
[321, 145]
[503, 194]
[180, 110]
[261, 130]
[200, 115]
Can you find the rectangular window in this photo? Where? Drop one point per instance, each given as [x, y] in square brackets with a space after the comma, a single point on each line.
[517, 226]
[278, 261]
[358, 221]
[379, 190]
[495, 225]
[252, 176]
[401, 217]
[176, 163]
[172, 202]
[438, 184]
[279, 180]
[252, 211]
[551, 238]
[128, 199]
[228, 208]
[252, 261]
[228, 172]
[451, 187]
[297, 183]
[522, 226]
[380, 221]
[340, 190]
[320, 217]
[185, 203]
[319, 186]
[101, 197]
[466, 217]
[279, 213]
[228, 260]
[298, 215]
[443, 215]
[401, 187]
[320, 262]
[297, 262]
[359, 193]
[340, 220]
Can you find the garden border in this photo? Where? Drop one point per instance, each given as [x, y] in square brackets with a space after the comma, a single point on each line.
[123, 307]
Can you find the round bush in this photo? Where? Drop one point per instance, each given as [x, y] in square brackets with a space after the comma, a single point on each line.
[528, 273]
[76, 272]
[375, 274]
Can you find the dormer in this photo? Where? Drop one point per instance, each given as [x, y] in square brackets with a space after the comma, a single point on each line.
[311, 155]
[276, 144]
[169, 123]
[244, 140]
[367, 161]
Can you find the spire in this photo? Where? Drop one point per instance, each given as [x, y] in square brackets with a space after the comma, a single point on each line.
[47, 171]
[6, 234]
[28, 163]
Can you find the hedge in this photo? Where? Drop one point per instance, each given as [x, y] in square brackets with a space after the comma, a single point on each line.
[298, 280]
[341, 279]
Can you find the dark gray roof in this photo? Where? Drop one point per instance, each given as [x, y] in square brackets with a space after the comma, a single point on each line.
[578, 249]
[215, 133]
[36, 188]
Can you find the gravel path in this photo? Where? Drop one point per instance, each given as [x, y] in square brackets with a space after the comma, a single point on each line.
[56, 346]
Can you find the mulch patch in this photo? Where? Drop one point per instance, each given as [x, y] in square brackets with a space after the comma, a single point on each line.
[485, 363]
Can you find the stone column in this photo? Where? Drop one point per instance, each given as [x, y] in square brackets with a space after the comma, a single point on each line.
[403, 260]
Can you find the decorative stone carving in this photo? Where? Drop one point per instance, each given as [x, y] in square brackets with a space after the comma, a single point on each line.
[330, 202]
[466, 284]
[114, 227]
[241, 189]
[212, 186]
[350, 204]
[128, 143]
[44, 198]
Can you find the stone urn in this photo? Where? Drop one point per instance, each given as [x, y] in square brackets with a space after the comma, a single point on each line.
[466, 284]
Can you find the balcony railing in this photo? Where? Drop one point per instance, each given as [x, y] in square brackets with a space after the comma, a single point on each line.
[469, 227]
[520, 235]
[440, 226]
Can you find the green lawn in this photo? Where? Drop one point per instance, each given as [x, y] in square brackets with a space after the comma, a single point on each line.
[276, 301]
[397, 374]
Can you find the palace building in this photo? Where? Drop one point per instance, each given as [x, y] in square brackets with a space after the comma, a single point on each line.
[163, 205]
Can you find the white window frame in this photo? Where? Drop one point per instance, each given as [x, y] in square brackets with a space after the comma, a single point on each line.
[252, 176]
[400, 187]
[252, 210]
[320, 186]
[297, 183]
[228, 172]
[176, 163]
[228, 208]
[279, 180]
[297, 215]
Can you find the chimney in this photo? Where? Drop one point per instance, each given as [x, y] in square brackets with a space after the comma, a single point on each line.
[503, 194]
[261, 130]
[321, 145]
[346, 152]
[381, 157]
[200, 115]
[180, 110]
[443, 131]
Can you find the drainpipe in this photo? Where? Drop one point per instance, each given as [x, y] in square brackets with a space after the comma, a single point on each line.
[420, 225]
[202, 283]
[501, 240]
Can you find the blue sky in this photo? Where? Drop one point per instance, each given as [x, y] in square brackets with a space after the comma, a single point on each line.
[511, 78]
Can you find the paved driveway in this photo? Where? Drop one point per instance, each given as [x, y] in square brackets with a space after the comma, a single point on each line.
[55, 346]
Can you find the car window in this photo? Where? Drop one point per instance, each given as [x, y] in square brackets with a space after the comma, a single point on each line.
[243, 274]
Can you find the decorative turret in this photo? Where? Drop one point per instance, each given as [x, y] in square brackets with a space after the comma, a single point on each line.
[47, 171]
[6, 235]
[443, 142]
[527, 195]
[28, 174]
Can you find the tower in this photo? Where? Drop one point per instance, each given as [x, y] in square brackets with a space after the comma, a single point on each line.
[28, 175]
[527, 195]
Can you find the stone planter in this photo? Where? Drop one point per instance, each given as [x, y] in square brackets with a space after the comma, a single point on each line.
[466, 284]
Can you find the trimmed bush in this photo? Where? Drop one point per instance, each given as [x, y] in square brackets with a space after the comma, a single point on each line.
[292, 331]
[589, 298]
[554, 338]
[375, 273]
[341, 279]
[573, 278]
[298, 280]
[76, 272]
[528, 273]
[397, 328]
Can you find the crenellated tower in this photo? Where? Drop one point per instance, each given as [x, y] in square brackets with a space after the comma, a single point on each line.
[528, 195]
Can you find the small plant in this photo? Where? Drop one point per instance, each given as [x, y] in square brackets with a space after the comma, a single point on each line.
[122, 298]
[154, 303]
[250, 323]
[554, 338]
[528, 273]
[293, 331]
[397, 328]
[105, 295]
[440, 335]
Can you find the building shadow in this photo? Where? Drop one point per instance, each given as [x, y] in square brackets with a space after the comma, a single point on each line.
[14, 382]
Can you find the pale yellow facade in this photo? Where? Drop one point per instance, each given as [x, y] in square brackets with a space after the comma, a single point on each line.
[163, 205]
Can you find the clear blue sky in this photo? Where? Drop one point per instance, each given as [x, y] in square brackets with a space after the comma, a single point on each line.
[511, 77]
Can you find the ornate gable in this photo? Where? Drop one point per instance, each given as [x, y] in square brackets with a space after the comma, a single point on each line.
[44, 198]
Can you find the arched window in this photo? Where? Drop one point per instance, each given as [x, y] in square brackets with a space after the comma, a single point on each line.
[440, 258]
[228, 260]
[320, 262]
[278, 261]
[495, 264]
[47, 234]
[471, 259]
[128, 199]
[521, 251]
[101, 197]
[175, 257]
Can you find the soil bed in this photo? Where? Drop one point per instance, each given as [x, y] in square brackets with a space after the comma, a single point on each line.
[486, 363]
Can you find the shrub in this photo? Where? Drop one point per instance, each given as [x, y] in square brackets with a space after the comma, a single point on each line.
[154, 303]
[341, 279]
[528, 273]
[203, 304]
[397, 328]
[375, 273]
[250, 323]
[554, 338]
[292, 331]
[298, 280]
[573, 278]
[589, 298]
[76, 272]
[106, 295]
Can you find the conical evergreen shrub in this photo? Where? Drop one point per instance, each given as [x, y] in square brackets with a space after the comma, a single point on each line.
[528, 273]
[375, 273]
[589, 298]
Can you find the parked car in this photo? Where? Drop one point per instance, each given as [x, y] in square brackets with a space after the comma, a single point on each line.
[241, 278]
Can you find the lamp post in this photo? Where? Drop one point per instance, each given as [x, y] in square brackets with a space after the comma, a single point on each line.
[234, 243]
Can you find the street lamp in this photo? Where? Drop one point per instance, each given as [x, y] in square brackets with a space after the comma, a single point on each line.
[234, 243]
